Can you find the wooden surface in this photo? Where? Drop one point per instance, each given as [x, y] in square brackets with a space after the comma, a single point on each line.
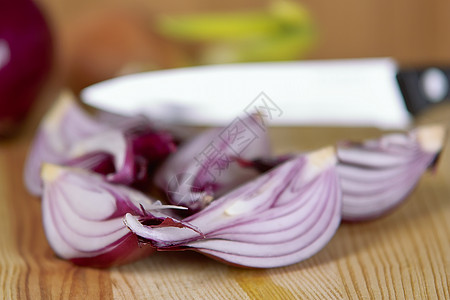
[405, 255]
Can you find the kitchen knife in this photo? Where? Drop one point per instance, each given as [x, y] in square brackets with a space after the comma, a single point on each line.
[354, 92]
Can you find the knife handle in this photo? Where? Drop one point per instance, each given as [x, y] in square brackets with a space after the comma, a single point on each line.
[422, 88]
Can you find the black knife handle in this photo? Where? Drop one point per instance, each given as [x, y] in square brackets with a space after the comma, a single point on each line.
[422, 88]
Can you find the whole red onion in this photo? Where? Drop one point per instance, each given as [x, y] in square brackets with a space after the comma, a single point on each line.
[25, 60]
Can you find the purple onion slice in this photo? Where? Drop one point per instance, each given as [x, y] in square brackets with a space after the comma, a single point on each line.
[124, 151]
[377, 175]
[277, 219]
[134, 150]
[63, 126]
[83, 217]
[206, 167]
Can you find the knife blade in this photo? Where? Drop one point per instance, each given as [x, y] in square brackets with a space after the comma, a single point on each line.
[352, 92]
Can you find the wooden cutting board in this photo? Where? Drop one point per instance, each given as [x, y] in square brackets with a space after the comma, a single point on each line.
[405, 255]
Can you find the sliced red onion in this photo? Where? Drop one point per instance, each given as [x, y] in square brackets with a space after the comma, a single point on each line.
[206, 167]
[278, 219]
[378, 175]
[83, 217]
[135, 150]
[125, 150]
[64, 125]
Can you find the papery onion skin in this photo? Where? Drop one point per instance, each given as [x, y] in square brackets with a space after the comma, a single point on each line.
[26, 50]
[82, 217]
[378, 175]
[277, 219]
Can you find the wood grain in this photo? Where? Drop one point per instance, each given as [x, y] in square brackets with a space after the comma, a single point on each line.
[405, 255]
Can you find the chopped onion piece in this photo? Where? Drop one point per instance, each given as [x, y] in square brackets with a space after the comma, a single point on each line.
[83, 217]
[206, 167]
[279, 218]
[68, 136]
[63, 126]
[133, 149]
[378, 175]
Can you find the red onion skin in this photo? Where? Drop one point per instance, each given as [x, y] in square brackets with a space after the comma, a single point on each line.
[28, 38]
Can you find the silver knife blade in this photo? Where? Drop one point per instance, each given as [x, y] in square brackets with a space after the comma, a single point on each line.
[353, 92]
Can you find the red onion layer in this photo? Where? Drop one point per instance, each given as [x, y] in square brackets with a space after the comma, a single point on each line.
[278, 219]
[206, 167]
[378, 175]
[83, 217]
[64, 126]
[124, 151]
